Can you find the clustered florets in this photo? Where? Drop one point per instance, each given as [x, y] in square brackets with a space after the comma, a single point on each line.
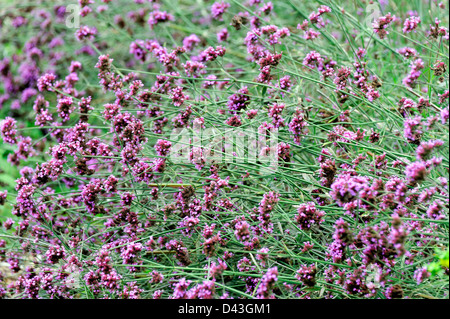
[355, 186]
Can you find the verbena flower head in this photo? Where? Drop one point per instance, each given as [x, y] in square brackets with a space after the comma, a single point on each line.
[8, 130]
[189, 166]
[381, 24]
[411, 24]
[157, 17]
[308, 216]
[218, 9]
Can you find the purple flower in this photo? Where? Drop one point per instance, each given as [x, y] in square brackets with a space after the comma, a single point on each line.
[275, 111]
[307, 275]
[298, 126]
[86, 32]
[425, 148]
[190, 41]
[27, 94]
[131, 291]
[266, 206]
[421, 274]
[411, 24]
[308, 216]
[267, 283]
[435, 209]
[90, 193]
[54, 254]
[157, 17]
[179, 291]
[162, 147]
[407, 52]
[238, 101]
[218, 9]
[3, 195]
[313, 60]
[177, 96]
[64, 108]
[347, 188]
[445, 114]
[8, 130]
[381, 24]
[415, 72]
[216, 269]
[222, 35]
[242, 230]
[413, 129]
[210, 54]
[394, 292]
[130, 254]
[46, 82]
[197, 157]
[193, 68]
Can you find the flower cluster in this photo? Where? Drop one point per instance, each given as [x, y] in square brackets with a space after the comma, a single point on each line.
[232, 152]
